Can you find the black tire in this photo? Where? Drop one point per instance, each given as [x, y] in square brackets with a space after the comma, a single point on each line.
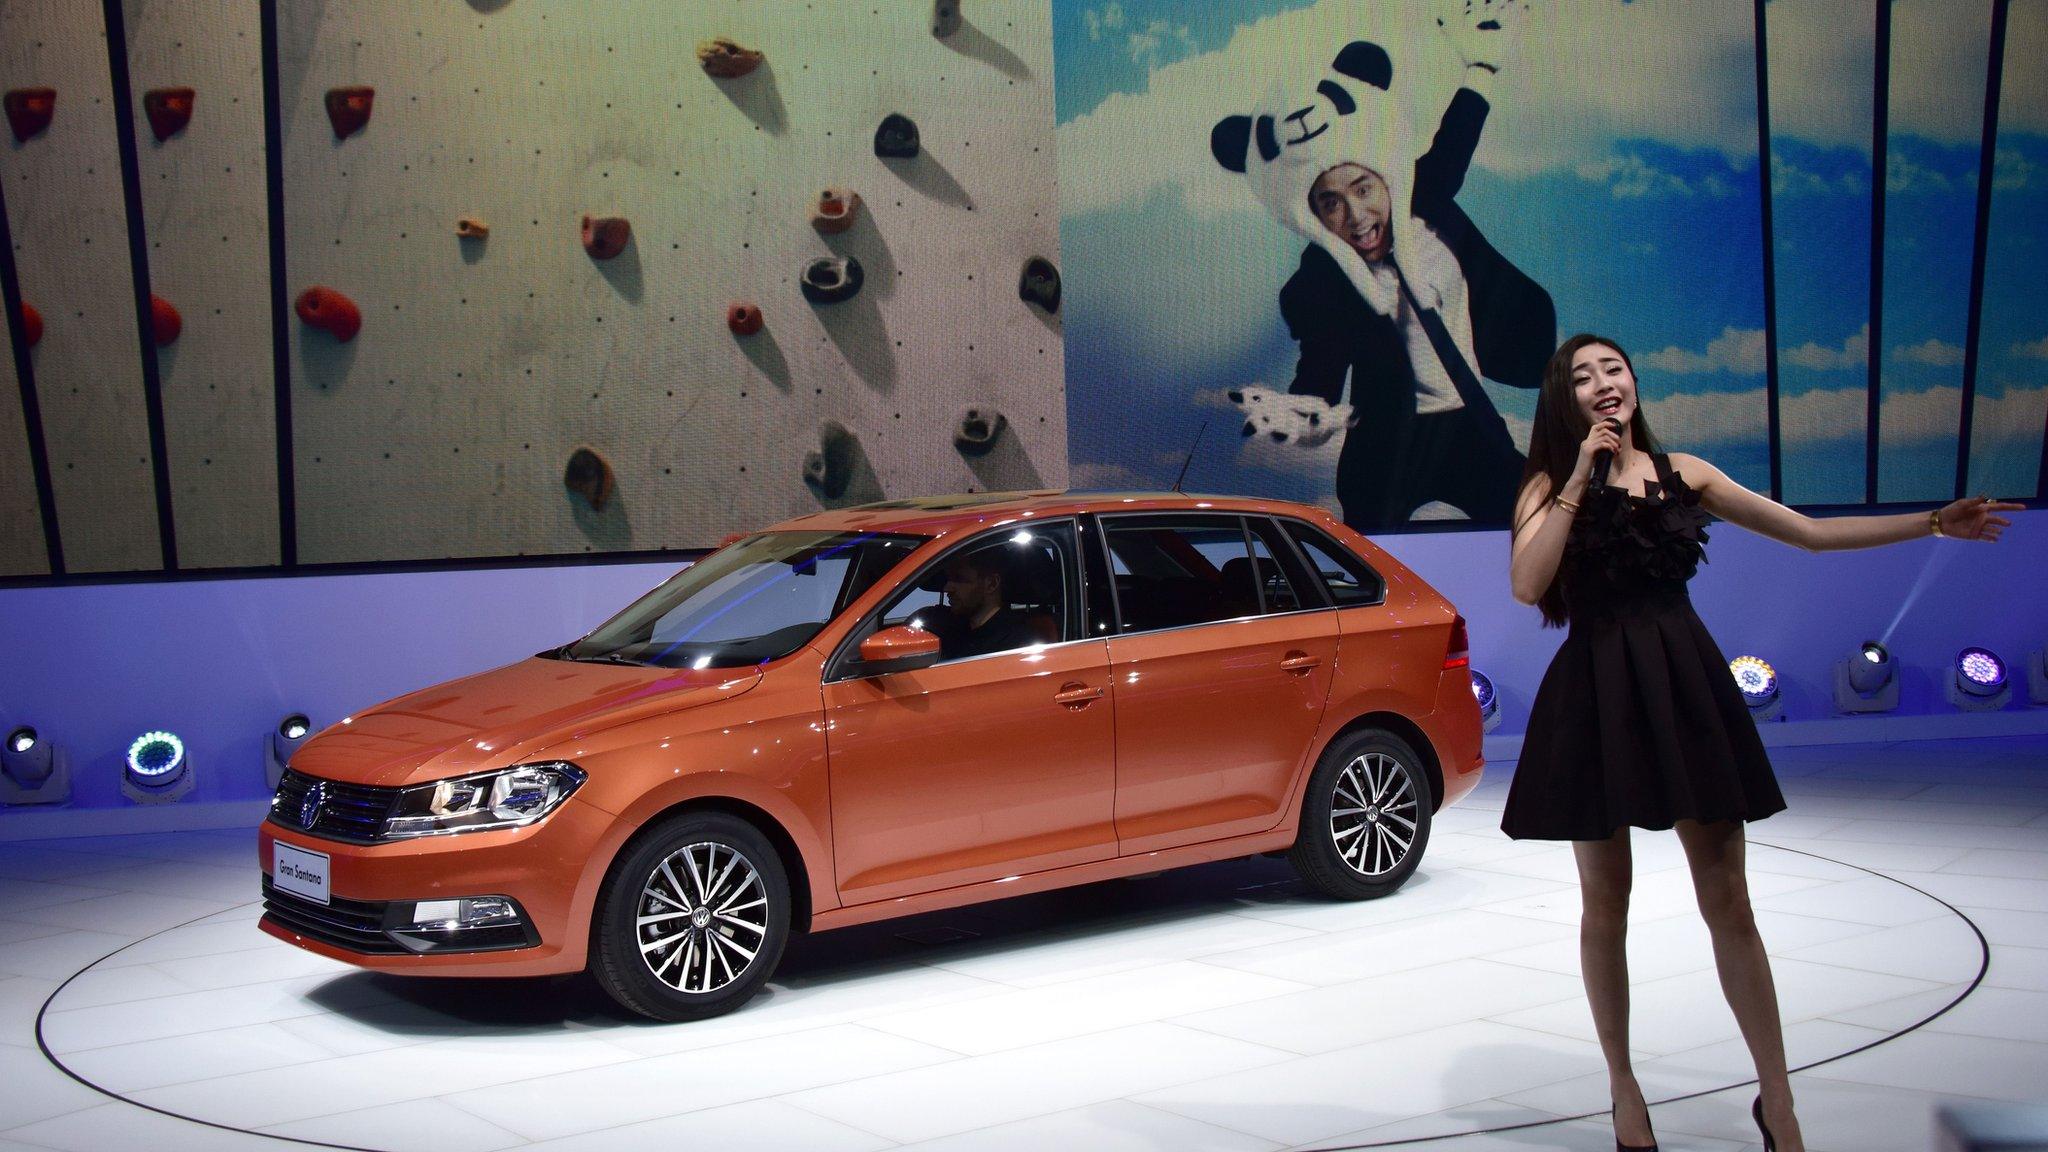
[1357, 855]
[655, 878]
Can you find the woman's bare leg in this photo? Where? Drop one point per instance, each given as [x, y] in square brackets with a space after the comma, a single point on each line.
[1606, 869]
[1715, 853]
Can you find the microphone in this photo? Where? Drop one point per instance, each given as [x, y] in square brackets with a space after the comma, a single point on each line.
[1604, 458]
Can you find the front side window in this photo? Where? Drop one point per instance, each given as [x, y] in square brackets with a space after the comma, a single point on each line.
[755, 601]
[1000, 592]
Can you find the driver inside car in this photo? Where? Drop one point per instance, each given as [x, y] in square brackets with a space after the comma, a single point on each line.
[978, 619]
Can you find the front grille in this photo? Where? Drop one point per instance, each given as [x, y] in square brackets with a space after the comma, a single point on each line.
[352, 813]
[357, 925]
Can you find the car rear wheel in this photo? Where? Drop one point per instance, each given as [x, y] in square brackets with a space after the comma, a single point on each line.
[692, 922]
[1365, 821]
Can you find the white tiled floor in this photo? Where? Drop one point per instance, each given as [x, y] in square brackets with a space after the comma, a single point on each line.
[1217, 1008]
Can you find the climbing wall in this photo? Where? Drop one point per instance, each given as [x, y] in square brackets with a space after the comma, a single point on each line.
[70, 228]
[446, 425]
[206, 221]
[22, 552]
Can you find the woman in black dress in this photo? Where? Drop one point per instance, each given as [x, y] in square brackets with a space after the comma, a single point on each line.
[1638, 722]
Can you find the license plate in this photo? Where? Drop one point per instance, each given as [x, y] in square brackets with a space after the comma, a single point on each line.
[299, 872]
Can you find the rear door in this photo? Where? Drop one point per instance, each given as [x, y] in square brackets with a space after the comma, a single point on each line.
[1221, 663]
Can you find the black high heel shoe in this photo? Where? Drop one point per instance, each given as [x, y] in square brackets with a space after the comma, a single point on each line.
[1650, 1147]
[1756, 1112]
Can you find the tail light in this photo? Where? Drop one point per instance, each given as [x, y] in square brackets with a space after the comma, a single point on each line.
[1459, 654]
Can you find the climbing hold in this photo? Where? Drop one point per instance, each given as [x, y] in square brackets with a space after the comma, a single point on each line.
[31, 324]
[29, 110]
[725, 59]
[605, 236]
[743, 318]
[471, 228]
[829, 467]
[830, 279]
[331, 312]
[896, 138]
[835, 210]
[945, 17]
[168, 109]
[1040, 284]
[978, 431]
[589, 475]
[348, 109]
[164, 321]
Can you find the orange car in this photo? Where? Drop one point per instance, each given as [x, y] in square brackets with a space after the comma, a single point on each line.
[883, 710]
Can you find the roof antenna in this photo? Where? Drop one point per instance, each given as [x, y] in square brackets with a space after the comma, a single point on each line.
[1191, 458]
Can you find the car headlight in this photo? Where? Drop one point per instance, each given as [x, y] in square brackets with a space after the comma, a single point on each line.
[507, 798]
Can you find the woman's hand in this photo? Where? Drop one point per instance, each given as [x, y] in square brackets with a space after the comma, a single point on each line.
[1605, 437]
[1975, 518]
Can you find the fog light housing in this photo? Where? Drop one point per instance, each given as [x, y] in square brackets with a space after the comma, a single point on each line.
[157, 770]
[1979, 683]
[1489, 702]
[284, 740]
[33, 770]
[460, 924]
[1759, 684]
[1865, 681]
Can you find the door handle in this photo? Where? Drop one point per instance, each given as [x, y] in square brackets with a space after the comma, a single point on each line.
[1300, 662]
[1076, 695]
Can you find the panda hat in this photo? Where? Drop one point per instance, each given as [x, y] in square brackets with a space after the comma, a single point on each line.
[1351, 117]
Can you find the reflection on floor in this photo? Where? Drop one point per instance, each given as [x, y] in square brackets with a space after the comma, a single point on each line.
[1215, 1008]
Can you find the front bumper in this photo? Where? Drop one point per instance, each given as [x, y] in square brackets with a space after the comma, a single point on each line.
[546, 869]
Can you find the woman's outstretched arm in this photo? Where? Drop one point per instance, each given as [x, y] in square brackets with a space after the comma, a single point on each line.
[1975, 518]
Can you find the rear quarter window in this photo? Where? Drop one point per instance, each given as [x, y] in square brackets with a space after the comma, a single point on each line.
[1352, 583]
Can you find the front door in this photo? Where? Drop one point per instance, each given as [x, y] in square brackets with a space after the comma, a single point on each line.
[999, 760]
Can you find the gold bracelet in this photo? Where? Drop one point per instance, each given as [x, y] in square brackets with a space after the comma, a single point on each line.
[1572, 508]
[1934, 522]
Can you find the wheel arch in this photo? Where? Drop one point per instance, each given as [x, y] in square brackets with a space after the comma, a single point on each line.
[1407, 730]
[778, 836]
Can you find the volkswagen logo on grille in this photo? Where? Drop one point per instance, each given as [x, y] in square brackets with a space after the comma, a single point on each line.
[309, 806]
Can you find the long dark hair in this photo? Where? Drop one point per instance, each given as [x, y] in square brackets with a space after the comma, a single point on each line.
[1557, 433]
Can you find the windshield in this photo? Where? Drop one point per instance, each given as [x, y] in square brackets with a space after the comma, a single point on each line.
[754, 601]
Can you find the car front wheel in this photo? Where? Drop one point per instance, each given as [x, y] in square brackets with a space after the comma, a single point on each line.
[1365, 821]
[692, 922]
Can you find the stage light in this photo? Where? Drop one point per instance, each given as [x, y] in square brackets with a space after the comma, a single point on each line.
[1489, 704]
[32, 770]
[1980, 683]
[1864, 681]
[284, 740]
[158, 771]
[1759, 684]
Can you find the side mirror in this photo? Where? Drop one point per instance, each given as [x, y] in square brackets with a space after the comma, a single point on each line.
[898, 649]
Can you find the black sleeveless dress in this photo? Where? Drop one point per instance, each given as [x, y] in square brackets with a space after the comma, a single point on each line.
[1638, 721]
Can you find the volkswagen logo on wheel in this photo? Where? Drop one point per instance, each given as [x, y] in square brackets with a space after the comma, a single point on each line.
[309, 806]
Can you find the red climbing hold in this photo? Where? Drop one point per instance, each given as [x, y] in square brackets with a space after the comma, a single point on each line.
[29, 110]
[743, 318]
[725, 59]
[31, 324]
[835, 210]
[605, 236]
[331, 312]
[471, 228]
[348, 109]
[164, 321]
[168, 109]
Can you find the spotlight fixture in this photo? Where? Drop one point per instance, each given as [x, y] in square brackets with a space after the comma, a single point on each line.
[1864, 681]
[284, 740]
[1489, 704]
[157, 770]
[33, 770]
[1759, 684]
[1980, 683]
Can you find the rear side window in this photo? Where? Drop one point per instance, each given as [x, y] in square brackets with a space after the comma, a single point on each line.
[1174, 571]
[1351, 581]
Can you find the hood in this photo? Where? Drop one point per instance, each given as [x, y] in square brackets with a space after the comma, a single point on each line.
[1351, 114]
[503, 717]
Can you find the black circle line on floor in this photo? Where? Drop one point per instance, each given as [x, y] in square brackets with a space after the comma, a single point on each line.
[1983, 966]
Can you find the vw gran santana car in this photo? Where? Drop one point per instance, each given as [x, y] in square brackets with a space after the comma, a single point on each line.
[882, 710]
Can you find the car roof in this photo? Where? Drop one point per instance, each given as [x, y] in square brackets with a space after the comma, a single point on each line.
[943, 515]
